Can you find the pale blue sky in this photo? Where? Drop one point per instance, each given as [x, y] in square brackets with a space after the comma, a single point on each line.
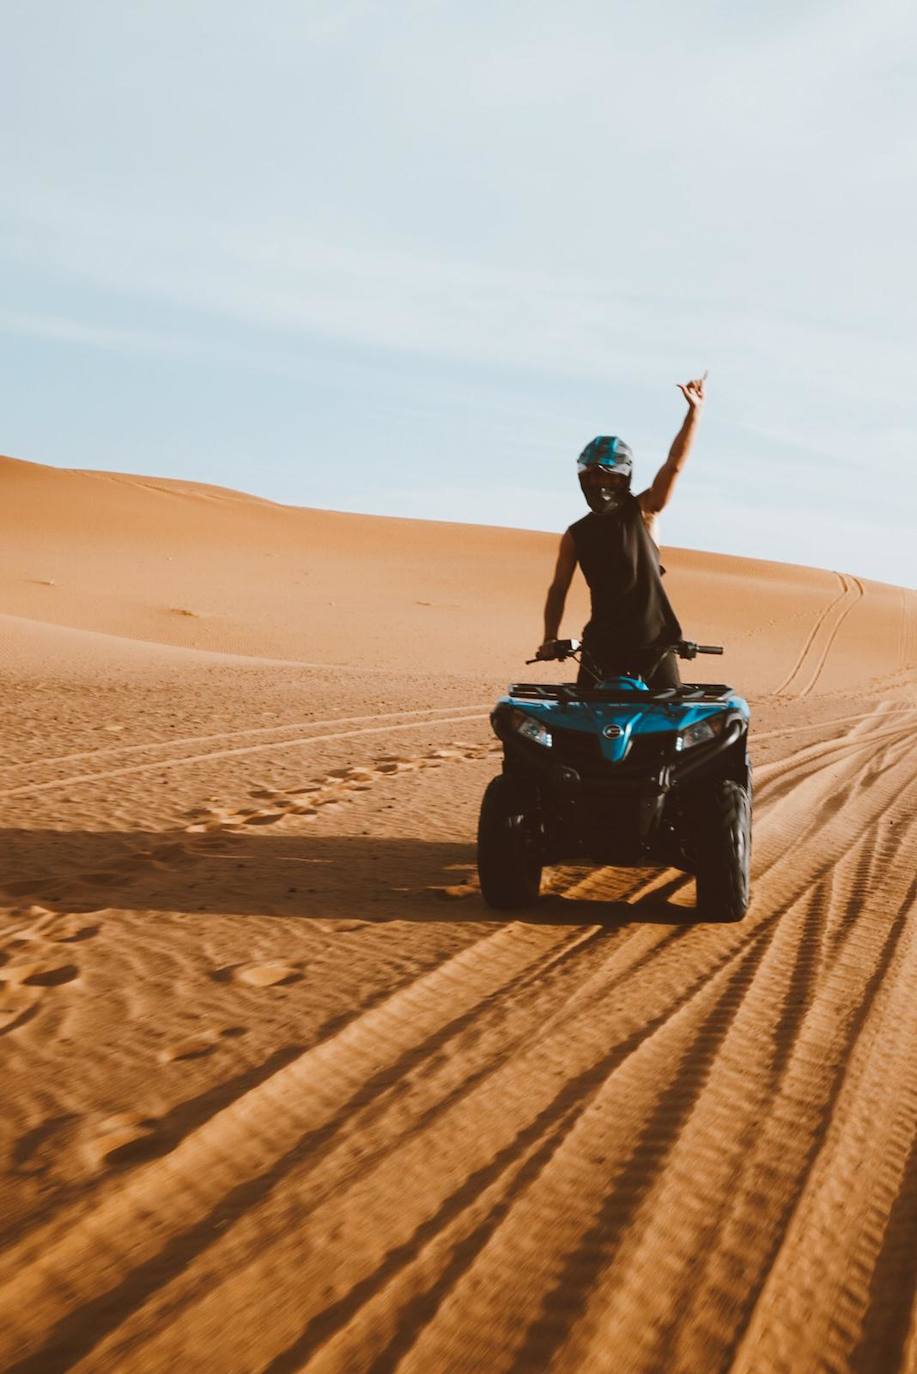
[408, 258]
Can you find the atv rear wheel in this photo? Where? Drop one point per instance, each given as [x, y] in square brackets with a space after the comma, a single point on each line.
[509, 850]
[723, 852]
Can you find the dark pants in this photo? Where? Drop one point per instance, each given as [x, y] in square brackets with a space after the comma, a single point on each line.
[666, 675]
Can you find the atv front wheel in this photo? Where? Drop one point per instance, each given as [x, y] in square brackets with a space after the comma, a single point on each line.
[723, 852]
[509, 852]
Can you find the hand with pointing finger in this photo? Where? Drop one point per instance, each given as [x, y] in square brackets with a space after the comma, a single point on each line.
[693, 393]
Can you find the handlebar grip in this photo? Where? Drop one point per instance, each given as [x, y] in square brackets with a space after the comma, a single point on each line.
[709, 648]
[563, 649]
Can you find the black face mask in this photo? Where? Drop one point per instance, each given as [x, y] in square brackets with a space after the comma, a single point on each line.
[604, 500]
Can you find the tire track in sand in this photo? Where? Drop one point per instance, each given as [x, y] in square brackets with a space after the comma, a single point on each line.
[656, 1274]
[376, 1187]
[586, 1014]
[571, 943]
[859, 1151]
[782, 731]
[297, 726]
[474, 1150]
[854, 593]
[669, 1084]
[287, 1102]
[820, 619]
[811, 660]
[493, 1147]
[679, 1049]
[30, 789]
[307, 1097]
[738, 1170]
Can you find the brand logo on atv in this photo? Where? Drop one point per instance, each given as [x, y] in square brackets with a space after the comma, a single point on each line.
[612, 732]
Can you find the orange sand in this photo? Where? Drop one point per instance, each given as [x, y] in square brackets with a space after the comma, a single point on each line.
[280, 1093]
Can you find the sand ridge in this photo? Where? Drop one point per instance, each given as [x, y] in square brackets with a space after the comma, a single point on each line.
[281, 1093]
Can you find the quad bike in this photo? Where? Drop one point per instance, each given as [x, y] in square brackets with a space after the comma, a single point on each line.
[619, 774]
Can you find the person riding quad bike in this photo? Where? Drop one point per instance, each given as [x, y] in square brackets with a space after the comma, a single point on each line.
[628, 766]
[616, 547]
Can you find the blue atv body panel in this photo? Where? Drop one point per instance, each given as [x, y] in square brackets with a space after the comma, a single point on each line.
[617, 724]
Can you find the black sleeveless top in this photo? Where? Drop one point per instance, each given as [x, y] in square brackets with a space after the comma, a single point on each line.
[630, 610]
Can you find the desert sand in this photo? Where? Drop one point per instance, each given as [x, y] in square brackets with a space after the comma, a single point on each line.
[281, 1094]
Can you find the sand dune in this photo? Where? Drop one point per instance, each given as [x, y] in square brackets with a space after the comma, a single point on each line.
[196, 567]
[282, 1094]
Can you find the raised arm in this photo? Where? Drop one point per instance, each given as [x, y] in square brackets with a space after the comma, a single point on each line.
[656, 497]
[557, 592]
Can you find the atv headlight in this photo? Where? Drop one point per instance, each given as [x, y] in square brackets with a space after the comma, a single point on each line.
[701, 733]
[531, 728]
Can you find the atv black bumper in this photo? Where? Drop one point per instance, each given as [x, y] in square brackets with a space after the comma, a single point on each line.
[633, 812]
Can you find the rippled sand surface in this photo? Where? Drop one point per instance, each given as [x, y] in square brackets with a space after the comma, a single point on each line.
[280, 1092]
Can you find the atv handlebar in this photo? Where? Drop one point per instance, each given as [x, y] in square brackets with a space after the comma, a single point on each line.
[688, 650]
[567, 648]
[560, 649]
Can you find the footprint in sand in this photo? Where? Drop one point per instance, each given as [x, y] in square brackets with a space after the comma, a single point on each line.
[266, 975]
[352, 777]
[33, 966]
[57, 927]
[70, 930]
[32, 912]
[41, 1148]
[471, 751]
[211, 821]
[336, 788]
[206, 818]
[118, 1139]
[338, 927]
[30, 964]
[42, 973]
[17, 1004]
[190, 1047]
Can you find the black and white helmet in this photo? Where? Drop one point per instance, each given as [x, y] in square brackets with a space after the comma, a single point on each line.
[609, 453]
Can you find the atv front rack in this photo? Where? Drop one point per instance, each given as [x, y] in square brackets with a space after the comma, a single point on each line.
[613, 696]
